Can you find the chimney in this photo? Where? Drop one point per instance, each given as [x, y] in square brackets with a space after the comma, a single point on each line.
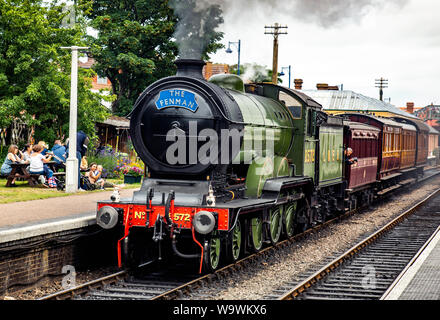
[322, 86]
[190, 68]
[410, 107]
[298, 83]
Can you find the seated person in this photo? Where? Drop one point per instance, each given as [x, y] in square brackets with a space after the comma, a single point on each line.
[37, 162]
[27, 151]
[13, 156]
[84, 165]
[95, 177]
[59, 154]
[45, 147]
[104, 182]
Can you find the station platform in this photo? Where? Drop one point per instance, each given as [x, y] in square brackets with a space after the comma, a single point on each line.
[420, 280]
[22, 220]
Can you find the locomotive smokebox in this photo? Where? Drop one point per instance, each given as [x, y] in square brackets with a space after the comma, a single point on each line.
[190, 68]
[179, 125]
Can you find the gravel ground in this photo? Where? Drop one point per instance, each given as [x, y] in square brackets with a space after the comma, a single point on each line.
[290, 264]
[286, 265]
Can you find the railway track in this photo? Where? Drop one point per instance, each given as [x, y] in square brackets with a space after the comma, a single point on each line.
[367, 269]
[168, 285]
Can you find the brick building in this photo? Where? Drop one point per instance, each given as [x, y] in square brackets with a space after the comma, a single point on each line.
[211, 69]
[98, 82]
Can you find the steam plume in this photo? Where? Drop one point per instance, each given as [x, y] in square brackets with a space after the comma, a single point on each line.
[198, 20]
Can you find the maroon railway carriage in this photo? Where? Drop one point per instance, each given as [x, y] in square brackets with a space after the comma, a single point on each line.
[408, 143]
[364, 141]
[389, 143]
[421, 143]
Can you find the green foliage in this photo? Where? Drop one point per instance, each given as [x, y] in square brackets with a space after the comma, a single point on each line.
[135, 45]
[35, 72]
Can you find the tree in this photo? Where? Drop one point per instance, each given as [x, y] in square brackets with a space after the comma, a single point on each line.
[35, 72]
[135, 45]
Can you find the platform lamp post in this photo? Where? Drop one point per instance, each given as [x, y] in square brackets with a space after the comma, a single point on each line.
[282, 72]
[229, 50]
[72, 162]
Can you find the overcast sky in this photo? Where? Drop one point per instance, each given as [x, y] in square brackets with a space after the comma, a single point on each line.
[349, 42]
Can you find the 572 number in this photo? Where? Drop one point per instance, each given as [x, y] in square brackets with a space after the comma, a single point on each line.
[182, 217]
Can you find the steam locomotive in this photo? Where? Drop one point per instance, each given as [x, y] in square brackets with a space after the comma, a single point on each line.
[234, 167]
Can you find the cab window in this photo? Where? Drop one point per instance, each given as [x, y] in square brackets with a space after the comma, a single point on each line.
[294, 106]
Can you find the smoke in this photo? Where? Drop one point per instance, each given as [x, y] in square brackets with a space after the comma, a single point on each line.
[329, 13]
[198, 21]
[255, 73]
[324, 13]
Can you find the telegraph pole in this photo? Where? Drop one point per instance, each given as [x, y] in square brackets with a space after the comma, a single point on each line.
[381, 84]
[275, 31]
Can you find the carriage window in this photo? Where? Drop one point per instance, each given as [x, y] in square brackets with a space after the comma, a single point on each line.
[386, 141]
[294, 106]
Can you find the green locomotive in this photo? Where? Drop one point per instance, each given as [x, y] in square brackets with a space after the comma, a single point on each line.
[231, 167]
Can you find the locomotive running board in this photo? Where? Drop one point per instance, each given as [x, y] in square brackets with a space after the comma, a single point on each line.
[273, 186]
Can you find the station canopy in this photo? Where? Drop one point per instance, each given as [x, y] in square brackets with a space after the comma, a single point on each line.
[336, 101]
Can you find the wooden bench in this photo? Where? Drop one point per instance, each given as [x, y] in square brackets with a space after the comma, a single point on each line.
[19, 171]
[59, 174]
[34, 177]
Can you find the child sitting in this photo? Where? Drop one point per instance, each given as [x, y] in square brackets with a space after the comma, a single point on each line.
[95, 177]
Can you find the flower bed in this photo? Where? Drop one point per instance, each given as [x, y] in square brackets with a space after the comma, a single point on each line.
[133, 169]
[117, 165]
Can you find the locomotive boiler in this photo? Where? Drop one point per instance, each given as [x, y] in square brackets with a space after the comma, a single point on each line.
[188, 128]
